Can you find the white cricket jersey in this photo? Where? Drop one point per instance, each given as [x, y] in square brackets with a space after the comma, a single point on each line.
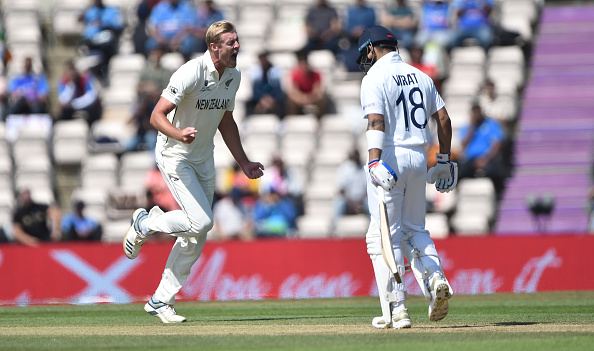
[405, 96]
[201, 98]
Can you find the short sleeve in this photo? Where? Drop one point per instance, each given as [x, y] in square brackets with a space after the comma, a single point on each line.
[181, 82]
[371, 98]
[436, 101]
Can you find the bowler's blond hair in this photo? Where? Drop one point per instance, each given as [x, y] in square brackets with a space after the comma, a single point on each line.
[214, 32]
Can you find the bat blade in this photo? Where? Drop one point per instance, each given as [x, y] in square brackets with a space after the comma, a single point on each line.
[386, 240]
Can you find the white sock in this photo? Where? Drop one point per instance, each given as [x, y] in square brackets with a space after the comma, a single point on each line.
[144, 229]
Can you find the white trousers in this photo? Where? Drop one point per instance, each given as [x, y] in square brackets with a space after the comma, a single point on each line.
[406, 209]
[193, 186]
[406, 202]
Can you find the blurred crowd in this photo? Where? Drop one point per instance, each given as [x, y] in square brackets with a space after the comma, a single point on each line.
[427, 32]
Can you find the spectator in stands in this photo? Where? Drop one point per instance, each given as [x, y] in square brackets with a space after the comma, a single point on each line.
[402, 21]
[323, 27]
[78, 95]
[305, 89]
[474, 22]
[284, 181]
[159, 191]
[274, 215]
[153, 77]
[352, 187]
[206, 14]
[77, 226]
[417, 61]
[152, 80]
[171, 26]
[496, 106]
[481, 140]
[139, 37]
[233, 179]
[103, 26]
[359, 16]
[145, 137]
[231, 218]
[267, 92]
[28, 91]
[434, 26]
[30, 221]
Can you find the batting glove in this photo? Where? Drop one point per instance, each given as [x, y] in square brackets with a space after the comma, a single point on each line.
[444, 174]
[382, 174]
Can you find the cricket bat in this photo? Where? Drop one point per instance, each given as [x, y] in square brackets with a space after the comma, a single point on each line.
[386, 239]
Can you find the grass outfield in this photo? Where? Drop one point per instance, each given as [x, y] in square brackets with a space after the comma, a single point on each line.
[542, 321]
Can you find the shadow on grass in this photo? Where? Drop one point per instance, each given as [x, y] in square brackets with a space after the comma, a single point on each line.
[275, 318]
[510, 324]
[498, 324]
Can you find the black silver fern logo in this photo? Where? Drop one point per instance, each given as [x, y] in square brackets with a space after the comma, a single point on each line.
[228, 82]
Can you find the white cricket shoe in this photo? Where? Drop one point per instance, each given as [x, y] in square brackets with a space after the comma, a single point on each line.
[134, 239]
[440, 294]
[401, 321]
[165, 312]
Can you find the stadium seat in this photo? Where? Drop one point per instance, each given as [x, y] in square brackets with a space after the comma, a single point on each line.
[351, 226]
[109, 135]
[299, 124]
[278, 40]
[114, 230]
[172, 60]
[467, 56]
[437, 225]
[70, 140]
[313, 226]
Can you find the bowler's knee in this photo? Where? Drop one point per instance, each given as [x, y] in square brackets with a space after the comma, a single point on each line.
[201, 224]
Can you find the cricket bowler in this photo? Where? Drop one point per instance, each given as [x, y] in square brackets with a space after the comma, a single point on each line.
[199, 100]
[398, 100]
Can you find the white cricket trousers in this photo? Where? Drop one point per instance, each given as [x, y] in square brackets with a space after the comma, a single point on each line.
[406, 208]
[193, 186]
[406, 202]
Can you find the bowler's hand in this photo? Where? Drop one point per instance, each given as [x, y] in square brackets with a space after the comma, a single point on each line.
[253, 170]
[187, 135]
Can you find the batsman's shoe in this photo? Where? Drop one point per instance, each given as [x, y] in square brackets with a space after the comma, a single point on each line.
[402, 320]
[165, 312]
[440, 294]
[134, 239]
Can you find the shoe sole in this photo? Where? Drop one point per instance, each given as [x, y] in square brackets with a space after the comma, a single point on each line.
[441, 305]
[152, 312]
[127, 245]
[401, 324]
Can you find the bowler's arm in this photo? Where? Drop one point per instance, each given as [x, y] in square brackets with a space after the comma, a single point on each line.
[161, 123]
[230, 133]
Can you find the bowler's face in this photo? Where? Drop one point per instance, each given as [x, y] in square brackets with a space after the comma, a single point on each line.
[228, 49]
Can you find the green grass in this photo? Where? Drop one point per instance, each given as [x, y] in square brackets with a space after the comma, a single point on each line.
[543, 321]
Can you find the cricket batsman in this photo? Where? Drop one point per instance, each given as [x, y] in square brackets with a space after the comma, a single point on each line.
[199, 100]
[398, 101]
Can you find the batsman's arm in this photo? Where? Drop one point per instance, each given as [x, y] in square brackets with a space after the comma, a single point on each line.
[161, 123]
[375, 122]
[444, 130]
[230, 134]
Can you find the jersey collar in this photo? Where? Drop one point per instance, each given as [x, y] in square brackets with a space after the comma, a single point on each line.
[210, 65]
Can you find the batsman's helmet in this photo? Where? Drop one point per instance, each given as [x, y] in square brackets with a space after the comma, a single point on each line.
[376, 36]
